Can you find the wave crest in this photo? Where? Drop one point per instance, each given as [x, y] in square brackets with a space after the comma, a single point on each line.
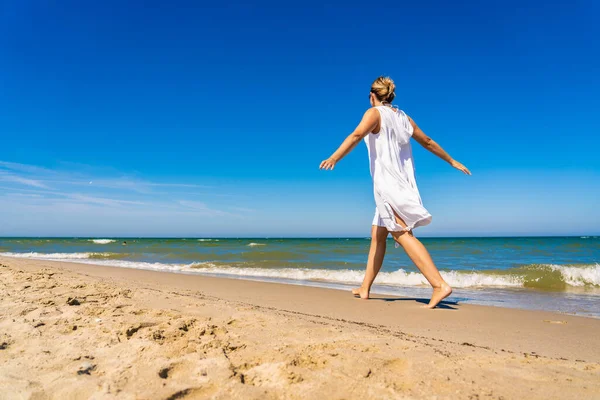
[396, 278]
[59, 256]
[102, 241]
[538, 276]
[544, 276]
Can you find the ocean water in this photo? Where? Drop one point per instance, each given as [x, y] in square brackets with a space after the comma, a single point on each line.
[547, 273]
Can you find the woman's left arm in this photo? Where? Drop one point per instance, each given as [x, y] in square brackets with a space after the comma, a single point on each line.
[435, 148]
[368, 123]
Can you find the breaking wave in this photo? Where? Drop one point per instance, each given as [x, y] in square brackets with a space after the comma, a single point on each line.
[60, 256]
[538, 276]
[102, 241]
[396, 278]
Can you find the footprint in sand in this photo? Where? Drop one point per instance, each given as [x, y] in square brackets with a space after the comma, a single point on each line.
[129, 332]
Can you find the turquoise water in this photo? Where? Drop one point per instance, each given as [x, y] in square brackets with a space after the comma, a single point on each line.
[550, 273]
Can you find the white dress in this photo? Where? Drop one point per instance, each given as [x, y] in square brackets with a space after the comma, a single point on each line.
[393, 172]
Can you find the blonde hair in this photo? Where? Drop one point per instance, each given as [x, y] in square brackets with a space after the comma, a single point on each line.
[384, 89]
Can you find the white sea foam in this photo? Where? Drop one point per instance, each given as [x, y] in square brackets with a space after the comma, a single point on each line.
[141, 265]
[585, 275]
[102, 241]
[208, 240]
[396, 278]
[579, 276]
[56, 256]
[256, 244]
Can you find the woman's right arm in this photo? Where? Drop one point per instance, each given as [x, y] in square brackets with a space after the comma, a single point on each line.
[369, 122]
[435, 148]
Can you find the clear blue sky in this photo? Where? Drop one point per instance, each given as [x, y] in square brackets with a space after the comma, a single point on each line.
[210, 119]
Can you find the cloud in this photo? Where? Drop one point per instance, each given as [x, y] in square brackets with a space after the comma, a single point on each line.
[27, 190]
[6, 177]
[29, 195]
[102, 200]
[85, 188]
[85, 175]
[25, 168]
[136, 185]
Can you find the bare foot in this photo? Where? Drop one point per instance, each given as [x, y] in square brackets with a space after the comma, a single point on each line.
[438, 295]
[363, 293]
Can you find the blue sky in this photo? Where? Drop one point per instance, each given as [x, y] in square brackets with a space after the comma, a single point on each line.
[202, 119]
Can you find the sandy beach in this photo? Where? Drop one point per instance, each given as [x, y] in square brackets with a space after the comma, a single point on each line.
[77, 331]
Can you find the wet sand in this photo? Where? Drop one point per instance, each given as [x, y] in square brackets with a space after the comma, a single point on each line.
[77, 331]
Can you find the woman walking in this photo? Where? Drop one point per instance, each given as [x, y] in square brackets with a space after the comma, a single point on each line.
[387, 132]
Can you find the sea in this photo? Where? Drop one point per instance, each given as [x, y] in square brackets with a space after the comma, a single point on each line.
[540, 273]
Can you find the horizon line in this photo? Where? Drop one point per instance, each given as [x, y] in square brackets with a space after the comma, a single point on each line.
[293, 237]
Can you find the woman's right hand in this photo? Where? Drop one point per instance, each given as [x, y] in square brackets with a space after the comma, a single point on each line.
[460, 167]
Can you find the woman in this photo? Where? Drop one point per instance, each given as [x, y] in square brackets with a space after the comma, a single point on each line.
[387, 132]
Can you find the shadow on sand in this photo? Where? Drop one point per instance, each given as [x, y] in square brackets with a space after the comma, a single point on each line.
[443, 305]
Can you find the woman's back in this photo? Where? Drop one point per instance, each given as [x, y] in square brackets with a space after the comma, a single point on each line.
[390, 152]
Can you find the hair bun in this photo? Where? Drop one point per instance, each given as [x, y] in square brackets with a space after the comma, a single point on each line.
[384, 89]
[391, 86]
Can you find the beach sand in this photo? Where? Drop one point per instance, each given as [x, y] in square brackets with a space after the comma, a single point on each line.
[76, 331]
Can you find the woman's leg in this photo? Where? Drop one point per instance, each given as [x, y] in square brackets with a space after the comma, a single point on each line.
[379, 236]
[420, 256]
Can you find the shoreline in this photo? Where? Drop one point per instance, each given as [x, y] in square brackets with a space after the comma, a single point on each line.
[229, 338]
[513, 297]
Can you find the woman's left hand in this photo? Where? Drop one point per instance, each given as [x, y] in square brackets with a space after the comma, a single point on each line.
[328, 164]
